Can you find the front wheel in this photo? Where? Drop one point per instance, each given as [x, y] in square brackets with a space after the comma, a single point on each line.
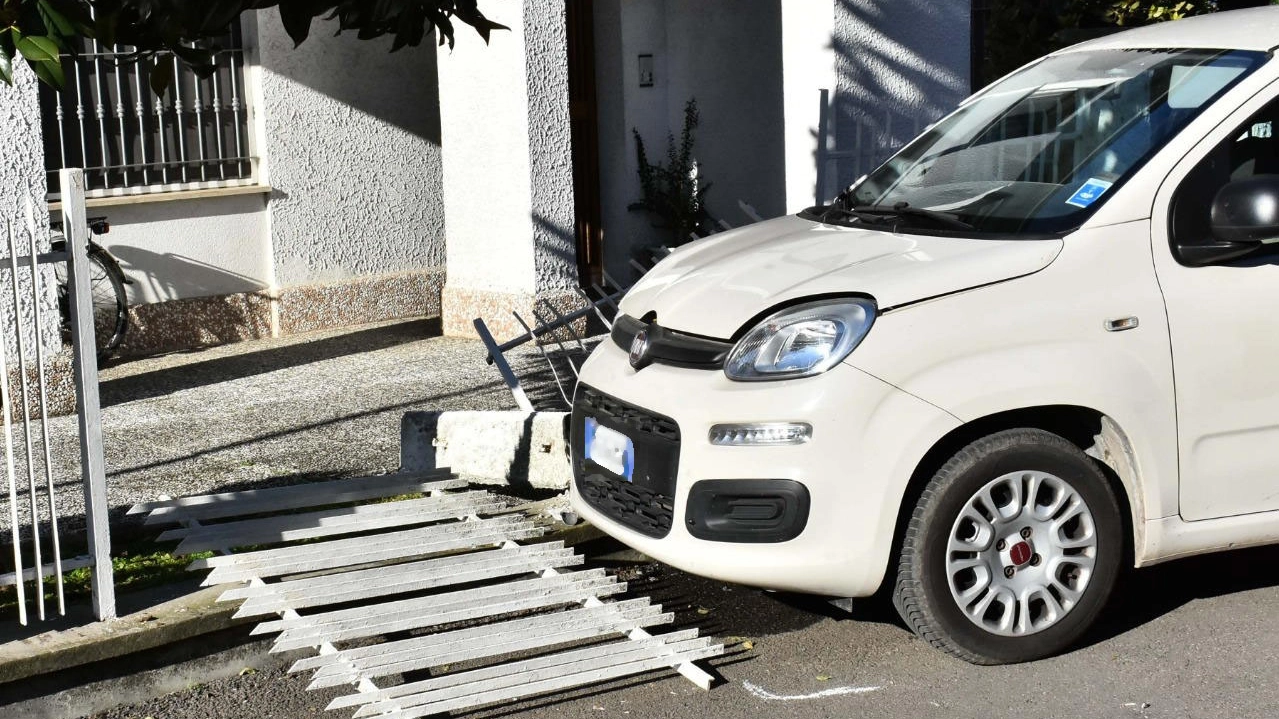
[1012, 549]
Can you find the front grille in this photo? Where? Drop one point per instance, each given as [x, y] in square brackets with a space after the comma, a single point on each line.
[601, 406]
[646, 503]
[648, 513]
[670, 347]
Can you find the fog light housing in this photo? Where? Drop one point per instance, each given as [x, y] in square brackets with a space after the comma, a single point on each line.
[762, 434]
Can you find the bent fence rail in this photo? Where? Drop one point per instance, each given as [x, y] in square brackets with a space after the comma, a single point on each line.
[31, 496]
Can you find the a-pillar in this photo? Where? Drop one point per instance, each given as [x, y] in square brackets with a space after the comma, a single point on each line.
[508, 183]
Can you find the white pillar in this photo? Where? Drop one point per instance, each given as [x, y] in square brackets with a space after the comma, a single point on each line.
[808, 66]
[508, 182]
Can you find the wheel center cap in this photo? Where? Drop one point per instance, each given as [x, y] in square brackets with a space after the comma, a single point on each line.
[1020, 553]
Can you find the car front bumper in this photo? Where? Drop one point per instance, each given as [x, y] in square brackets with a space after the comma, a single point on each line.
[826, 509]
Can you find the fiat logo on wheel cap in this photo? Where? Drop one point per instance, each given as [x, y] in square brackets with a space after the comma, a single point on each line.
[639, 350]
[1020, 553]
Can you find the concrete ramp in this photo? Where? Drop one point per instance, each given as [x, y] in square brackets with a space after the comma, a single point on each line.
[414, 576]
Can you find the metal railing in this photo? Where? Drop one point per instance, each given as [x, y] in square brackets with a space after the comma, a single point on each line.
[26, 468]
[873, 139]
[108, 121]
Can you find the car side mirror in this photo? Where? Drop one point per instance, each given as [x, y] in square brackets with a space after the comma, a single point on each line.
[1244, 215]
[1247, 210]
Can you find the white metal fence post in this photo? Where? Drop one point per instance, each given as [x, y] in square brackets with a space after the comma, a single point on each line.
[84, 348]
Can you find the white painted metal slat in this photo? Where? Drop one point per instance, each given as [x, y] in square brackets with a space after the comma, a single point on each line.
[418, 614]
[442, 570]
[299, 496]
[493, 597]
[535, 670]
[581, 677]
[383, 582]
[336, 554]
[335, 675]
[294, 527]
[434, 643]
[661, 643]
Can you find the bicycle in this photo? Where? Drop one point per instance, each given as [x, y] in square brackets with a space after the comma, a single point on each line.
[106, 285]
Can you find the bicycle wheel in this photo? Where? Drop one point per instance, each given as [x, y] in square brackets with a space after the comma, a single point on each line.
[110, 304]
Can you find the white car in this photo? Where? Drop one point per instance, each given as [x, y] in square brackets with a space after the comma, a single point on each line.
[1039, 343]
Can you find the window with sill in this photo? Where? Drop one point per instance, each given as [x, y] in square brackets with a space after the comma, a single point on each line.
[130, 141]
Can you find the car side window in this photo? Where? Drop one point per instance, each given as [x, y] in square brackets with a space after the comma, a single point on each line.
[1251, 150]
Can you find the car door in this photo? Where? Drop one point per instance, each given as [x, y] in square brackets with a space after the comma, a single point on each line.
[1224, 325]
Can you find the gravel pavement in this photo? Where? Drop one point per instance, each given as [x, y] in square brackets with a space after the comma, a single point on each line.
[266, 412]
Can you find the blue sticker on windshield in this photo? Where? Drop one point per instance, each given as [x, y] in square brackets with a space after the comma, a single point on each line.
[1089, 192]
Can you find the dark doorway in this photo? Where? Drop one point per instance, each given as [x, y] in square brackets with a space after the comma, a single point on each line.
[583, 122]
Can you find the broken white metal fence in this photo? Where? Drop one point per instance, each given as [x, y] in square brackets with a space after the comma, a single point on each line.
[453, 583]
[28, 465]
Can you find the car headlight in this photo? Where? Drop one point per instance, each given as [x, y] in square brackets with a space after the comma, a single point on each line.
[801, 341]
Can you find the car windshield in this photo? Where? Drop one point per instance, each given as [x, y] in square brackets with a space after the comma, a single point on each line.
[1038, 152]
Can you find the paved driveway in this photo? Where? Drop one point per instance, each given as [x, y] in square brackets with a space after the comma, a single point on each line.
[1197, 638]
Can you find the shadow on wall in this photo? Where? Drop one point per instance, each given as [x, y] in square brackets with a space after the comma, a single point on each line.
[361, 74]
[219, 306]
[901, 66]
[556, 259]
[167, 275]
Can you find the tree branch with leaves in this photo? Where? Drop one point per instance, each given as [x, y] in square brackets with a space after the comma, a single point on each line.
[40, 30]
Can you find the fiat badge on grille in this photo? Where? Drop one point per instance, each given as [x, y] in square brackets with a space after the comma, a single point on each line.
[639, 350]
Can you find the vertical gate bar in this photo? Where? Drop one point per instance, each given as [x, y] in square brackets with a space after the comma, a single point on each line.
[162, 156]
[120, 114]
[44, 409]
[26, 424]
[100, 108]
[61, 117]
[217, 124]
[79, 113]
[84, 349]
[179, 124]
[140, 109]
[198, 106]
[7, 408]
[236, 105]
[823, 127]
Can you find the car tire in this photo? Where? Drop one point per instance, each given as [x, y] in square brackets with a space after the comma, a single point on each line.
[1030, 579]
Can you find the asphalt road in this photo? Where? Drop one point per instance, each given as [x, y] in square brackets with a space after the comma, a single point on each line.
[1196, 638]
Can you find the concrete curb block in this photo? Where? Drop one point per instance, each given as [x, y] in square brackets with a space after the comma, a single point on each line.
[187, 616]
[516, 449]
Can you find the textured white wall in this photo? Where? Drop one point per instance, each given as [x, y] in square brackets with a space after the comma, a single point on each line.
[725, 53]
[902, 64]
[22, 177]
[351, 148]
[508, 189]
[190, 248]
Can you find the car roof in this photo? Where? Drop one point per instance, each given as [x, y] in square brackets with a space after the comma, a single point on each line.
[1250, 29]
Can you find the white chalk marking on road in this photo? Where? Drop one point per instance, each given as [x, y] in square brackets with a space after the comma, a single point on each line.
[766, 695]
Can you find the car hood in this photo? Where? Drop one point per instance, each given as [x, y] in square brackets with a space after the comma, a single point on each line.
[715, 285]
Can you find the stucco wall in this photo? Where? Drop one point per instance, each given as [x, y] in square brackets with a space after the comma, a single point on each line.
[352, 149]
[508, 183]
[550, 145]
[902, 64]
[22, 176]
[727, 54]
[190, 248]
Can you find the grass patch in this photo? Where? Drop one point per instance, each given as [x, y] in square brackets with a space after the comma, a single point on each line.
[133, 571]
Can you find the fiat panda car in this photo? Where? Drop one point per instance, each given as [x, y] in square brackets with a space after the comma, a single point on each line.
[1037, 344]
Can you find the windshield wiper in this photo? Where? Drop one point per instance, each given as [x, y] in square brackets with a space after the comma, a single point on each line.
[874, 213]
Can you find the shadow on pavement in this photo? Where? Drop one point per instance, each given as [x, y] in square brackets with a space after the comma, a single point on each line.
[147, 385]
